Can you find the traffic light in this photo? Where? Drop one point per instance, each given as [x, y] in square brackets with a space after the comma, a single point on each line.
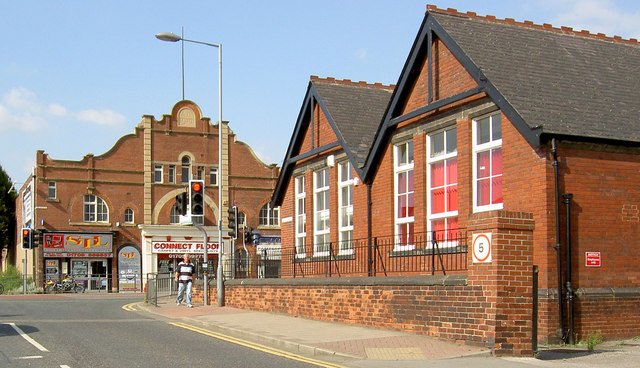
[27, 239]
[181, 204]
[248, 237]
[196, 197]
[256, 238]
[233, 222]
[36, 238]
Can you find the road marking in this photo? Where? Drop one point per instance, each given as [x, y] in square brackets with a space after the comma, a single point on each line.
[256, 346]
[30, 357]
[131, 307]
[27, 337]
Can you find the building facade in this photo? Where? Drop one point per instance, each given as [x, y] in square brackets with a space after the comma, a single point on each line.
[506, 156]
[110, 220]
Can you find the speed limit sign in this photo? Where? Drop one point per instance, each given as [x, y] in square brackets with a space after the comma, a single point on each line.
[481, 248]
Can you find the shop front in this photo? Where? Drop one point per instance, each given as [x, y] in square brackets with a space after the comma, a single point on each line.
[86, 257]
[164, 246]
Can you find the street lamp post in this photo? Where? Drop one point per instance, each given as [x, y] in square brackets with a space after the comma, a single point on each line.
[172, 37]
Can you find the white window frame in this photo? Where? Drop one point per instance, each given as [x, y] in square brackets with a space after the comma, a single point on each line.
[172, 174]
[478, 148]
[96, 207]
[185, 168]
[213, 176]
[126, 214]
[345, 210]
[269, 216]
[158, 171]
[321, 214]
[400, 168]
[432, 160]
[301, 217]
[174, 217]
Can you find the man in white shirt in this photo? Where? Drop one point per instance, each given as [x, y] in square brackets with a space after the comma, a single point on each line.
[185, 276]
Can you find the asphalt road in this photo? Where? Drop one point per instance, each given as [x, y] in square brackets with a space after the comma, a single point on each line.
[90, 331]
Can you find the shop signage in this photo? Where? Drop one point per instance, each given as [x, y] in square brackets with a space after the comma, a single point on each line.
[182, 247]
[77, 245]
[129, 269]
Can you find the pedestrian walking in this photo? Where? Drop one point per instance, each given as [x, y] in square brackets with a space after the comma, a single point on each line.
[185, 275]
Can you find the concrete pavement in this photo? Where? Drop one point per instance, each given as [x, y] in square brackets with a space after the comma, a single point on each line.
[357, 346]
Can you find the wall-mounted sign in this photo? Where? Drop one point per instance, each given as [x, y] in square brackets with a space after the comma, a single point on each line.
[481, 248]
[593, 259]
[77, 245]
[182, 247]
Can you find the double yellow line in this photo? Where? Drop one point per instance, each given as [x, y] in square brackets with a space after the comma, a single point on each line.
[256, 346]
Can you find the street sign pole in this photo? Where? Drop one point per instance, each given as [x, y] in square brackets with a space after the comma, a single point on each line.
[205, 264]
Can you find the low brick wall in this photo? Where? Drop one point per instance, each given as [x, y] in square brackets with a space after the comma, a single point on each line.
[440, 306]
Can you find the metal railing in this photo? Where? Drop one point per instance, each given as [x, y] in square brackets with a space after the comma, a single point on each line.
[425, 253]
[158, 285]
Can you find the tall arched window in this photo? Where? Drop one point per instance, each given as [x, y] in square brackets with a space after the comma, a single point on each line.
[186, 169]
[95, 209]
[174, 217]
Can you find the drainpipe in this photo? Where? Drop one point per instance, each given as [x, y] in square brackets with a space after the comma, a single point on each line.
[557, 246]
[369, 234]
[566, 198]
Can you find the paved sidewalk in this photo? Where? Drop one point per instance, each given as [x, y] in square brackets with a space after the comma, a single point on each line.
[362, 347]
[316, 337]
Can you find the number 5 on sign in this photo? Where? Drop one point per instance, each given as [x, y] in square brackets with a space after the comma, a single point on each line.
[481, 248]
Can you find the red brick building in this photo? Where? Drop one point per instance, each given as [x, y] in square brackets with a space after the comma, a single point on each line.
[110, 219]
[502, 169]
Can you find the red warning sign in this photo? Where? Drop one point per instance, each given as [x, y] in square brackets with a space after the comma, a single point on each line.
[594, 259]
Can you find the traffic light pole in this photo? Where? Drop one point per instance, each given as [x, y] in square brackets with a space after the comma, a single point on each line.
[205, 263]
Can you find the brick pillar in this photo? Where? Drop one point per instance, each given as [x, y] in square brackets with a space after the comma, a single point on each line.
[506, 280]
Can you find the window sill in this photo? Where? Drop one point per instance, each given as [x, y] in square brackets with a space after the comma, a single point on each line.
[53, 200]
[101, 224]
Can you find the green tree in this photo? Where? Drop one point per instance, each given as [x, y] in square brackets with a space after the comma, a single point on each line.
[7, 211]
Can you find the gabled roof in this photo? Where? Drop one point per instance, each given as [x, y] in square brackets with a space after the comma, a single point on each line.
[548, 81]
[354, 111]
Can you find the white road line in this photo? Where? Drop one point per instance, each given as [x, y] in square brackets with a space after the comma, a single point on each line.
[27, 337]
[64, 366]
[30, 357]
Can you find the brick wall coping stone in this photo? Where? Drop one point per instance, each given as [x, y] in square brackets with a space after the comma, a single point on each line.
[443, 280]
[622, 292]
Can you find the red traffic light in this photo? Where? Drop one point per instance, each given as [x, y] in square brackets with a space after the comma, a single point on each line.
[25, 232]
[196, 186]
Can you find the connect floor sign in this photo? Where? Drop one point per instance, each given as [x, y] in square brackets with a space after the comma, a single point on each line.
[481, 248]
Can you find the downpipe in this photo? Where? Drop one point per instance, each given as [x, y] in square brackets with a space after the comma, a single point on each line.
[566, 198]
[557, 246]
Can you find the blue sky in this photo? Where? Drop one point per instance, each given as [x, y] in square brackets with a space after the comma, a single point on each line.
[77, 75]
